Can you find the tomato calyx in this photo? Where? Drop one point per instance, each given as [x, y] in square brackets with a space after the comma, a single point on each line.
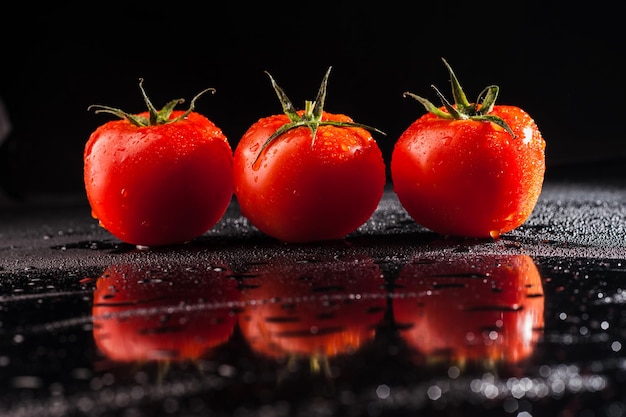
[157, 117]
[462, 108]
[311, 117]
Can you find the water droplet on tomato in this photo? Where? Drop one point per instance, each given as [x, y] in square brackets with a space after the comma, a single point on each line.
[255, 147]
[494, 234]
[124, 193]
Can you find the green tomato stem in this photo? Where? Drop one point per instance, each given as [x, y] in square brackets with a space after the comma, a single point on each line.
[156, 117]
[311, 117]
[462, 108]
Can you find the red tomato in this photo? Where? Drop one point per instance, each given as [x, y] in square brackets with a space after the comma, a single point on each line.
[472, 170]
[308, 175]
[158, 177]
[314, 310]
[162, 314]
[479, 308]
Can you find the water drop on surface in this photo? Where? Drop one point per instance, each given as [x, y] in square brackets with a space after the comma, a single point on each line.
[383, 391]
[434, 392]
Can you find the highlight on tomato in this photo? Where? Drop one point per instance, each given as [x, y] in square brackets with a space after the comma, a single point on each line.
[313, 310]
[308, 175]
[163, 314]
[469, 169]
[160, 177]
[485, 310]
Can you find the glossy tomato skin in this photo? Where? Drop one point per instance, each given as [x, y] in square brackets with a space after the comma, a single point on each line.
[470, 178]
[304, 191]
[158, 185]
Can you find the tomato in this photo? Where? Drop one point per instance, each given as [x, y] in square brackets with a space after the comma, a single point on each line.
[484, 309]
[162, 314]
[470, 170]
[313, 310]
[308, 175]
[158, 177]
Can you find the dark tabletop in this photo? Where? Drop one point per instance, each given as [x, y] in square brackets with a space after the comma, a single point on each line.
[391, 320]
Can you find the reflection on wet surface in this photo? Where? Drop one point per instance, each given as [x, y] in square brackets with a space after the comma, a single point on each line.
[393, 321]
[301, 335]
[485, 310]
[313, 310]
[162, 314]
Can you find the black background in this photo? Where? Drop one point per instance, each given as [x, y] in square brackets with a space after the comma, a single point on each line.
[562, 62]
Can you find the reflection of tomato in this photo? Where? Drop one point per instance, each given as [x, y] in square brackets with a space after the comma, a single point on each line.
[312, 309]
[162, 314]
[472, 308]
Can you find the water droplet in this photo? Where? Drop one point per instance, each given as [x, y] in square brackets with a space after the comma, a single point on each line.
[494, 234]
[383, 391]
[434, 392]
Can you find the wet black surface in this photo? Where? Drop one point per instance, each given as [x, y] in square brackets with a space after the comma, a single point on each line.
[393, 320]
